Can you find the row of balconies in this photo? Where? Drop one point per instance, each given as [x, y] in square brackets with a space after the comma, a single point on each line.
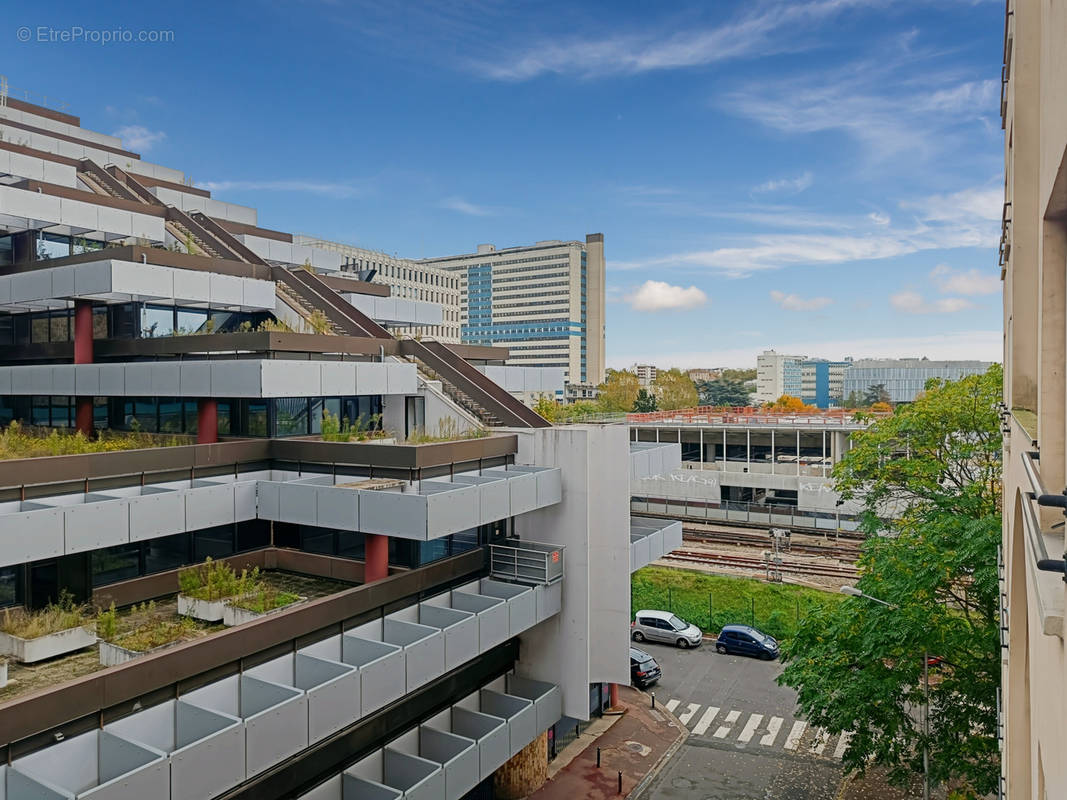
[45, 210]
[219, 735]
[38, 169]
[453, 751]
[397, 310]
[73, 523]
[234, 377]
[122, 281]
[651, 539]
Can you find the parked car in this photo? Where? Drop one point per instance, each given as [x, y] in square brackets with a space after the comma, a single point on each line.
[663, 626]
[644, 671]
[745, 640]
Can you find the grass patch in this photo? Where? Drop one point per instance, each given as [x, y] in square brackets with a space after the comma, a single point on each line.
[144, 628]
[711, 601]
[265, 598]
[53, 618]
[17, 441]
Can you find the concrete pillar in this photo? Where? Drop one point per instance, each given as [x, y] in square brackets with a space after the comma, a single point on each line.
[207, 421]
[83, 354]
[376, 557]
[613, 695]
[524, 773]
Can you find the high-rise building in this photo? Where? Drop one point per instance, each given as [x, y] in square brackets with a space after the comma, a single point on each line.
[423, 613]
[777, 374]
[1032, 252]
[822, 382]
[903, 378]
[544, 302]
[646, 373]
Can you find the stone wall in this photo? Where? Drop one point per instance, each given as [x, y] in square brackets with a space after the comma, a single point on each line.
[525, 772]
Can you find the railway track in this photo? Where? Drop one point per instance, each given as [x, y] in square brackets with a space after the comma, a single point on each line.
[758, 564]
[842, 550]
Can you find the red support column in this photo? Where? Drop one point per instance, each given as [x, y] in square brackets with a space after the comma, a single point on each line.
[613, 695]
[207, 421]
[83, 354]
[376, 558]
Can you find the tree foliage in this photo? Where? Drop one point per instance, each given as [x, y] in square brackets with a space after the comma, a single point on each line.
[645, 402]
[674, 389]
[723, 392]
[935, 465]
[876, 394]
[788, 403]
[741, 375]
[619, 391]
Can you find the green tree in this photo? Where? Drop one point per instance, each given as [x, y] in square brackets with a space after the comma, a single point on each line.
[674, 389]
[645, 402]
[876, 394]
[741, 375]
[722, 392]
[548, 408]
[858, 666]
[619, 391]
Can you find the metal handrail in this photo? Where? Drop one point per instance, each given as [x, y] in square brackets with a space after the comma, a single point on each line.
[528, 562]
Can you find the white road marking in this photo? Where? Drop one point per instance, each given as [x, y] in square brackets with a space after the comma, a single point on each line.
[842, 743]
[792, 741]
[705, 721]
[688, 715]
[728, 725]
[750, 728]
[672, 704]
[822, 737]
[773, 726]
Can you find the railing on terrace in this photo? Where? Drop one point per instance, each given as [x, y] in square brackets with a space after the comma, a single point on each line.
[747, 513]
[711, 415]
[785, 468]
[526, 562]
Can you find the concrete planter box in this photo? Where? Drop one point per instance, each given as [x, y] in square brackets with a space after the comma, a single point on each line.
[29, 651]
[235, 615]
[207, 610]
[3, 674]
[113, 654]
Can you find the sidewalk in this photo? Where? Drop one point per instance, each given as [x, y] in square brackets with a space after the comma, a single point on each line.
[636, 744]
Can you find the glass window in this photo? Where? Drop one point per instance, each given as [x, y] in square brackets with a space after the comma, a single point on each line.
[114, 564]
[192, 418]
[100, 322]
[170, 415]
[215, 542]
[40, 413]
[51, 245]
[141, 414]
[191, 321]
[256, 418]
[7, 250]
[166, 552]
[224, 413]
[253, 534]
[291, 416]
[39, 328]
[61, 412]
[79, 245]
[317, 540]
[11, 586]
[59, 327]
[157, 321]
[351, 544]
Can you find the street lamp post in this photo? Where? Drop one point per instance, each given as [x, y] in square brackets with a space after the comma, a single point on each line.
[854, 591]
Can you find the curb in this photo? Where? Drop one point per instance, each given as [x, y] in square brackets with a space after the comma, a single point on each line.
[662, 762]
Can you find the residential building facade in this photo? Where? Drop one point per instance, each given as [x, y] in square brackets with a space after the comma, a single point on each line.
[904, 378]
[544, 302]
[646, 373]
[459, 599]
[1032, 259]
[777, 374]
[822, 382]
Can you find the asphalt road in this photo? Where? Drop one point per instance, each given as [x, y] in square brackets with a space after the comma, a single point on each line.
[745, 740]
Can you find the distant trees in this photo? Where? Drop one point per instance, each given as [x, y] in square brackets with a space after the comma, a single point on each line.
[741, 375]
[619, 391]
[645, 402]
[674, 389]
[876, 394]
[788, 403]
[723, 392]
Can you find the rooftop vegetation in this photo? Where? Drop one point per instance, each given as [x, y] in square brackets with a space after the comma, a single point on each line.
[55, 617]
[18, 441]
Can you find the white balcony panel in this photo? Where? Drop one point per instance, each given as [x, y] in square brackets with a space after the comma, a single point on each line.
[494, 496]
[374, 379]
[521, 602]
[29, 531]
[460, 630]
[549, 599]
[396, 311]
[423, 646]
[518, 712]
[492, 613]
[332, 689]
[401, 378]
[96, 766]
[206, 749]
[153, 511]
[275, 717]
[207, 505]
[381, 666]
[58, 126]
[456, 756]
[489, 733]
[91, 521]
[337, 379]
[546, 697]
[522, 487]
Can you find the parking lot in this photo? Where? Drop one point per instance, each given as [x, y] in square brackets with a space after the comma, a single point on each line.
[745, 740]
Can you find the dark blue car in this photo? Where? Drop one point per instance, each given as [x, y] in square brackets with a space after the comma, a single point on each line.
[744, 640]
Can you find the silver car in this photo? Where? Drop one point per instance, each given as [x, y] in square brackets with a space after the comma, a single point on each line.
[663, 626]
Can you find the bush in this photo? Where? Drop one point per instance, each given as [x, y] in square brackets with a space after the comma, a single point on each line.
[55, 617]
[17, 441]
[216, 580]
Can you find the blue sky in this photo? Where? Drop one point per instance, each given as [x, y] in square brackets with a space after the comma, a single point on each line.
[822, 177]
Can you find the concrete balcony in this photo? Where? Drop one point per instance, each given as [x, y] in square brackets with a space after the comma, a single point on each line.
[28, 210]
[386, 774]
[274, 717]
[381, 668]
[491, 613]
[93, 766]
[489, 734]
[651, 539]
[423, 647]
[520, 601]
[519, 713]
[458, 628]
[205, 749]
[397, 310]
[654, 458]
[456, 757]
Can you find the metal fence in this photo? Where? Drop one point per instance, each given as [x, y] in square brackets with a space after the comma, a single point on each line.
[750, 513]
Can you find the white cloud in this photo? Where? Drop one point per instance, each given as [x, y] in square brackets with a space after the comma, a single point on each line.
[939, 223]
[981, 345]
[766, 30]
[338, 190]
[794, 185]
[661, 296]
[910, 302]
[139, 138]
[966, 282]
[463, 207]
[794, 302]
[878, 218]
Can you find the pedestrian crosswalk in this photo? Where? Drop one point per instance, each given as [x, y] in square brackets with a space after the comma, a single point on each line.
[734, 725]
